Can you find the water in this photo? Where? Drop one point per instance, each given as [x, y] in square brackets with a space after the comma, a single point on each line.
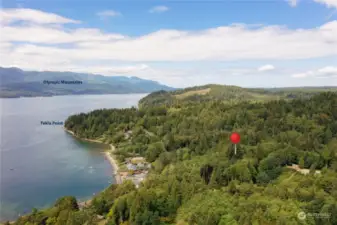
[40, 163]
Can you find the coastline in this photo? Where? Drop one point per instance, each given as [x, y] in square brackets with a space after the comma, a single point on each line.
[113, 163]
[83, 139]
[57, 95]
[108, 155]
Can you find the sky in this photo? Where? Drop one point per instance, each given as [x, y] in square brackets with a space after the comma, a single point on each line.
[181, 43]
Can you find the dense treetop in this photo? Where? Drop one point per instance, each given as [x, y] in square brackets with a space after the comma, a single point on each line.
[196, 178]
[229, 94]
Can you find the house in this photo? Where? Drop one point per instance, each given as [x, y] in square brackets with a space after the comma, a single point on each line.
[136, 160]
[123, 174]
[140, 165]
[130, 166]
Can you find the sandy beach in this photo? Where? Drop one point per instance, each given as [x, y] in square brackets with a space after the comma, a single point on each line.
[113, 162]
[108, 155]
[114, 165]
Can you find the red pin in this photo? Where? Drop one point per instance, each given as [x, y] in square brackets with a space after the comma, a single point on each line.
[235, 139]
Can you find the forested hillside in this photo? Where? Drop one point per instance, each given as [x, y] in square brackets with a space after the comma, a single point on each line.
[197, 179]
[229, 94]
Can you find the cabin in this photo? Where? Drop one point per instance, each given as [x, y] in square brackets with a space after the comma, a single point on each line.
[131, 166]
[136, 160]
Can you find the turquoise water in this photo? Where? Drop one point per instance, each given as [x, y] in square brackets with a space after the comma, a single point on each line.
[40, 163]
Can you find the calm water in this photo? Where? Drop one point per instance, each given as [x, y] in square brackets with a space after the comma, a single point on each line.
[40, 163]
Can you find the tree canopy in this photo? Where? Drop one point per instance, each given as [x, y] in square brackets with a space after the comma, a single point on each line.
[197, 179]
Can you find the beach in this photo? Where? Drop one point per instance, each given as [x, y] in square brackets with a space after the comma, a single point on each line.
[114, 165]
[113, 162]
[108, 155]
[50, 152]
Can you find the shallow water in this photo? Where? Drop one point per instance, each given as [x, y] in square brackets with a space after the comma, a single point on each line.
[40, 163]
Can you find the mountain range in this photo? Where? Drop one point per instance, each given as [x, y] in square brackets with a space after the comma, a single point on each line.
[15, 82]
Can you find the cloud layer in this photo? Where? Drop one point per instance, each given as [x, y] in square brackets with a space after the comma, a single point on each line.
[235, 42]
[266, 68]
[38, 40]
[8, 16]
[328, 3]
[329, 71]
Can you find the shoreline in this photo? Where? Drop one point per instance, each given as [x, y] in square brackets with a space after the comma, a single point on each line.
[108, 154]
[83, 139]
[113, 163]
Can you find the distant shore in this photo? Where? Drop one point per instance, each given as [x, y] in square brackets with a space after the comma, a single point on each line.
[57, 95]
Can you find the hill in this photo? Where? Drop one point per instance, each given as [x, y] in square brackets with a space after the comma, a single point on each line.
[229, 94]
[196, 178]
[15, 82]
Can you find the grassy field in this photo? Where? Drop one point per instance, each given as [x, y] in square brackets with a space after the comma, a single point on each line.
[194, 92]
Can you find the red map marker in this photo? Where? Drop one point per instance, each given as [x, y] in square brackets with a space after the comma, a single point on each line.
[235, 139]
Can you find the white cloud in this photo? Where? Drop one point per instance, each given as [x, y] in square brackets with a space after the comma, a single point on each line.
[266, 68]
[113, 70]
[36, 46]
[328, 3]
[237, 42]
[293, 3]
[303, 75]
[328, 71]
[31, 15]
[50, 35]
[159, 9]
[108, 13]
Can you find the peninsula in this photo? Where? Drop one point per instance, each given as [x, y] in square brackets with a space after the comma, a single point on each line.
[195, 176]
[132, 168]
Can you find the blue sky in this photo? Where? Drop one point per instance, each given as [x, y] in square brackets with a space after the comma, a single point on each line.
[179, 43]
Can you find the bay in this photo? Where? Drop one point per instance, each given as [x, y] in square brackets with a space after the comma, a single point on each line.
[40, 163]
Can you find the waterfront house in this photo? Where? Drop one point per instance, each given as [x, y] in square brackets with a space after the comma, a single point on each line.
[130, 166]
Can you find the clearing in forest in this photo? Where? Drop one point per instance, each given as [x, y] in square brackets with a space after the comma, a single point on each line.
[194, 92]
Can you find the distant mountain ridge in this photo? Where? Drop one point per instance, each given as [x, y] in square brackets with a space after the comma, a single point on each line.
[15, 82]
